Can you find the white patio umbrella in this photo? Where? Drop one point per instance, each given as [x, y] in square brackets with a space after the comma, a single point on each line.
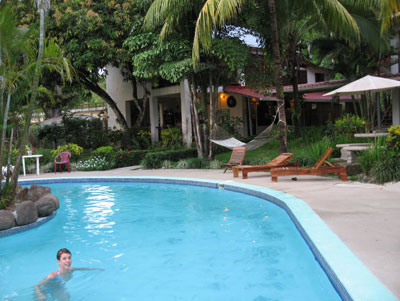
[367, 85]
[364, 85]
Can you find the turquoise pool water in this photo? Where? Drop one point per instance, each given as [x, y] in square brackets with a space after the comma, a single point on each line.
[165, 242]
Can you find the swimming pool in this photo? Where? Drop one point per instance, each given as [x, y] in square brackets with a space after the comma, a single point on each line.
[173, 242]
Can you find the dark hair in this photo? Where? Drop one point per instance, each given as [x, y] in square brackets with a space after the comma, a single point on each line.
[62, 251]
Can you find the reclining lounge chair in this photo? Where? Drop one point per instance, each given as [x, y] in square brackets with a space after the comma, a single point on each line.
[237, 157]
[317, 169]
[279, 161]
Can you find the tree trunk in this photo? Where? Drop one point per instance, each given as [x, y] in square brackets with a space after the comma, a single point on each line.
[204, 125]
[141, 108]
[94, 87]
[278, 76]
[195, 119]
[213, 109]
[293, 68]
[3, 134]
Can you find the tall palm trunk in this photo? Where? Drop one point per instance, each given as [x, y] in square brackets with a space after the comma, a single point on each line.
[11, 193]
[213, 111]
[3, 134]
[195, 119]
[278, 76]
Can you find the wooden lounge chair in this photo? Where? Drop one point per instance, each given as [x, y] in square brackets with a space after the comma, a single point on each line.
[237, 157]
[317, 169]
[279, 161]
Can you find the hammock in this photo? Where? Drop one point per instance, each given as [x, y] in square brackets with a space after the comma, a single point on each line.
[232, 142]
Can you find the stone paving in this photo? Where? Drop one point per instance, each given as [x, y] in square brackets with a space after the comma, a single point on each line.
[364, 216]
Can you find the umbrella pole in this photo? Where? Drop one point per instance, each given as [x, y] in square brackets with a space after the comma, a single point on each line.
[370, 109]
[378, 109]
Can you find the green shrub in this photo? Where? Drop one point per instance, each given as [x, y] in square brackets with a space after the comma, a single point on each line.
[386, 170]
[4, 202]
[319, 148]
[369, 157]
[182, 164]
[231, 124]
[393, 139]
[74, 149]
[192, 163]
[350, 124]
[155, 159]
[128, 158]
[214, 164]
[141, 139]
[50, 135]
[47, 155]
[167, 164]
[84, 132]
[197, 163]
[171, 138]
[103, 149]
[309, 134]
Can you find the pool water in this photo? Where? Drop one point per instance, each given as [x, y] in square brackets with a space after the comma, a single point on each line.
[165, 242]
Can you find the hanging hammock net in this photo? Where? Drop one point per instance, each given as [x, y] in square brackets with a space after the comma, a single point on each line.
[225, 139]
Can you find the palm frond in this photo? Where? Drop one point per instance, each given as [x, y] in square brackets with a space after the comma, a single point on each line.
[160, 9]
[388, 10]
[214, 14]
[43, 91]
[370, 32]
[339, 20]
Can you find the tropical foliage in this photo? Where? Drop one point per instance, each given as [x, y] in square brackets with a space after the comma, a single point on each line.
[24, 55]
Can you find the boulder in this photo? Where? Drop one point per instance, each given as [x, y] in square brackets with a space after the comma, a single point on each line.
[35, 192]
[26, 213]
[47, 204]
[22, 194]
[6, 220]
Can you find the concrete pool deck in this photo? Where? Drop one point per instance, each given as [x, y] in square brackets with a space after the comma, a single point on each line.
[364, 216]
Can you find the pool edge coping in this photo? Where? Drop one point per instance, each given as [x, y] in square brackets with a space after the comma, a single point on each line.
[37, 223]
[351, 278]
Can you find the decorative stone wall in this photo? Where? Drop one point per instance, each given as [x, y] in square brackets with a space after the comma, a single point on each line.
[32, 203]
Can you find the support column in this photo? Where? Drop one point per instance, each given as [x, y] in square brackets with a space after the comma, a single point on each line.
[185, 113]
[396, 106]
[154, 122]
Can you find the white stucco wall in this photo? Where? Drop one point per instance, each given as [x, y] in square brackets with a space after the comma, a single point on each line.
[238, 111]
[120, 91]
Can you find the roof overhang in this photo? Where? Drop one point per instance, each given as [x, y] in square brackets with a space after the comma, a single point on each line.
[315, 90]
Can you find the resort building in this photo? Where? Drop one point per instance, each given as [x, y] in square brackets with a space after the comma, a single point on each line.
[169, 106]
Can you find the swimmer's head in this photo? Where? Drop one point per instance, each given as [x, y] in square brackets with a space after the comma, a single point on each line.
[62, 251]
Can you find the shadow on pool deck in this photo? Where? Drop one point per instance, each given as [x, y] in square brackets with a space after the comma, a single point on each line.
[364, 216]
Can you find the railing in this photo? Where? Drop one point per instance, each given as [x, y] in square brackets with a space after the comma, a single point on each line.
[95, 106]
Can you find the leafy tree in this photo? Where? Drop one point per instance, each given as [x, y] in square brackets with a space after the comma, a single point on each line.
[171, 59]
[216, 13]
[345, 59]
[23, 68]
[91, 34]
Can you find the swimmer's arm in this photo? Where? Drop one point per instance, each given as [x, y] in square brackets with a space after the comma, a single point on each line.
[39, 293]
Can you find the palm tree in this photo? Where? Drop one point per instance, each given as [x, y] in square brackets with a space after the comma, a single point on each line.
[12, 41]
[216, 13]
[47, 55]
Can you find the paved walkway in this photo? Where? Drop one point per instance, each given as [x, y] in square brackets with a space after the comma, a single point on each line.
[364, 216]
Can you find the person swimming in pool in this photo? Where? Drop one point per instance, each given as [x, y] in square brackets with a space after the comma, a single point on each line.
[56, 280]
